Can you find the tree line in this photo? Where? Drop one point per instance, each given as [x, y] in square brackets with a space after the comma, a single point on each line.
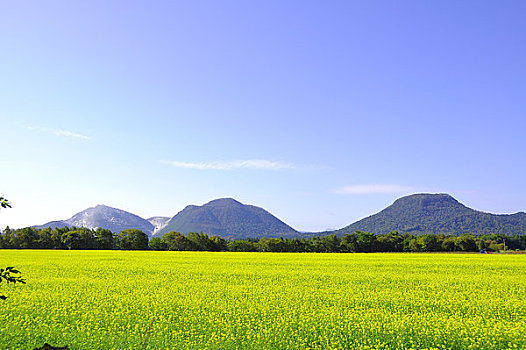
[75, 238]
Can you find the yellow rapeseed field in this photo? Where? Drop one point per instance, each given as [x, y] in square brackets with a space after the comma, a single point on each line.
[204, 300]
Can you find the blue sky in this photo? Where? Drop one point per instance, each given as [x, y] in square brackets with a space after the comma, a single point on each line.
[320, 112]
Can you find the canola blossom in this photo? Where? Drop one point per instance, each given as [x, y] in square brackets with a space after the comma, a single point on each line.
[207, 300]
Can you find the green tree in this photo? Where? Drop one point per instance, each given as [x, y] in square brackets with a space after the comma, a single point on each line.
[449, 243]
[241, 245]
[27, 238]
[156, 243]
[466, 243]
[413, 245]
[218, 244]
[199, 241]
[105, 239]
[133, 239]
[271, 245]
[56, 236]
[6, 238]
[406, 239]
[295, 245]
[45, 239]
[391, 242]
[331, 243]
[481, 244]
[87, 238]
[325, 244]
[428, 243]
[366, 241]
[348, 243]
[175, 241]
[71, 240]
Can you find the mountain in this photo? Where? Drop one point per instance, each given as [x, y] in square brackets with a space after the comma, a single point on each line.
[227, 218]
[158, 222]
[53, 224]
[437, 214]
[106, 217]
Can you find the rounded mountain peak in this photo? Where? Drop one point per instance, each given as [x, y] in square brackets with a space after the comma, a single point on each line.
[223, 201]
[427, 200]
[101, 208]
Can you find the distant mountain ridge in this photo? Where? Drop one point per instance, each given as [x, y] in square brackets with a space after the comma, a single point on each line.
[437, 214]
[228, 218]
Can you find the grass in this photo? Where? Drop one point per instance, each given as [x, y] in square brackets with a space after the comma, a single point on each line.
[199, 300]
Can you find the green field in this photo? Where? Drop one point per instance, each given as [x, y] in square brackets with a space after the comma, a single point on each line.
[196, 300]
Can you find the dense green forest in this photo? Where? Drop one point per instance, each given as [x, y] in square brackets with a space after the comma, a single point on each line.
[359, 241]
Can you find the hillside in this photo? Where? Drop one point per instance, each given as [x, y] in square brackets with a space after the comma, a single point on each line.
[227, 218]
[437, 214]
[106, 217]
[159, 222]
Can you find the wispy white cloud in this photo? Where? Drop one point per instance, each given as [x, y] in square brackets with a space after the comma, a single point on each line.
[60, 132]
[372, 189]
[254, 164]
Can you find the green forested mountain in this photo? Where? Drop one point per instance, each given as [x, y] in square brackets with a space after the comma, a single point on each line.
[227, 218]
[437, 214]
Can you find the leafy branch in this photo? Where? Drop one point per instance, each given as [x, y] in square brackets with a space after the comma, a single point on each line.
[4, 203]
[10, 275]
